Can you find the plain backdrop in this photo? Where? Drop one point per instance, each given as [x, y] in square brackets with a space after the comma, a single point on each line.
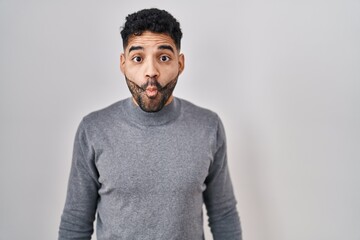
[283, 75]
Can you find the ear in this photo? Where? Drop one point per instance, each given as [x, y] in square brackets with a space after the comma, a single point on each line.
[122, 63]
[181, 63]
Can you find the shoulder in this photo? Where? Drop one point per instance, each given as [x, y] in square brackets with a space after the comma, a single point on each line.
[105, 115]
[203, 121]
[197, 113]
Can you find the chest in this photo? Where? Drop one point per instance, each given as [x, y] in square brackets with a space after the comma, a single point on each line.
[153, 161]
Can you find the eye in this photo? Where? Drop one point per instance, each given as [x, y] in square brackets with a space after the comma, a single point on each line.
[137, 59]
[164, 58]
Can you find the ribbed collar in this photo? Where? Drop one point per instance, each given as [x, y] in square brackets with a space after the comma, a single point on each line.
[169, 113]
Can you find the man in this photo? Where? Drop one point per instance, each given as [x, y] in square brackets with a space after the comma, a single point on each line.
[148, 163]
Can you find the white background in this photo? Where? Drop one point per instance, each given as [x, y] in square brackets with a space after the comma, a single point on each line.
[283, 75]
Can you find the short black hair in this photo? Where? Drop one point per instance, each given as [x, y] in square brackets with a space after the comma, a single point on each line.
[153, 20]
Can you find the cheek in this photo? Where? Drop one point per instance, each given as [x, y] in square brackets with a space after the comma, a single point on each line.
[134, 75]
[168, 74]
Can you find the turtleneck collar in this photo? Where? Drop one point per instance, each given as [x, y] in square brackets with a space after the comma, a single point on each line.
[169, 113]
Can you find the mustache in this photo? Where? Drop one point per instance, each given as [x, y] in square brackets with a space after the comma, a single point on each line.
[152, 82]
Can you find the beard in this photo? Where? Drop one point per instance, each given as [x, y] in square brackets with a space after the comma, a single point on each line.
[159, 96]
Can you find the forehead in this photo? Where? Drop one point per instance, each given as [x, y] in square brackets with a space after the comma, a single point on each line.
[150, 39]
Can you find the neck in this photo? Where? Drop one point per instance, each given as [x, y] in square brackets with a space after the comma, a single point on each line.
[168, 113]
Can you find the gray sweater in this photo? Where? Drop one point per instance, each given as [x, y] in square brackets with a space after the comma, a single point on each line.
[147, 175]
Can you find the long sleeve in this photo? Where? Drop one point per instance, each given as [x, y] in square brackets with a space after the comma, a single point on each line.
[82, 194]
[219, 197]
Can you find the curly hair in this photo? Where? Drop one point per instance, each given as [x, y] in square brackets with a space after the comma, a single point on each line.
[153, 20]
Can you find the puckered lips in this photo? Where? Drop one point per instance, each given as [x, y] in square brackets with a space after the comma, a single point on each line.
[151, 91]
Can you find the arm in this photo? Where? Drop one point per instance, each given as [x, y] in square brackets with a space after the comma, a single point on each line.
[82, 194]
[219, 197]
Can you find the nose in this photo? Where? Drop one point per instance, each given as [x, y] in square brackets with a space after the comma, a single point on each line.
[151, 69]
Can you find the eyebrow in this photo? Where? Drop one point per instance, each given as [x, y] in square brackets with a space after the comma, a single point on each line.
[161, 47]
[168, 47]
[133, 48]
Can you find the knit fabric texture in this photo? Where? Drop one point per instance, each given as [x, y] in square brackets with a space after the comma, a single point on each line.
[147, 175]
